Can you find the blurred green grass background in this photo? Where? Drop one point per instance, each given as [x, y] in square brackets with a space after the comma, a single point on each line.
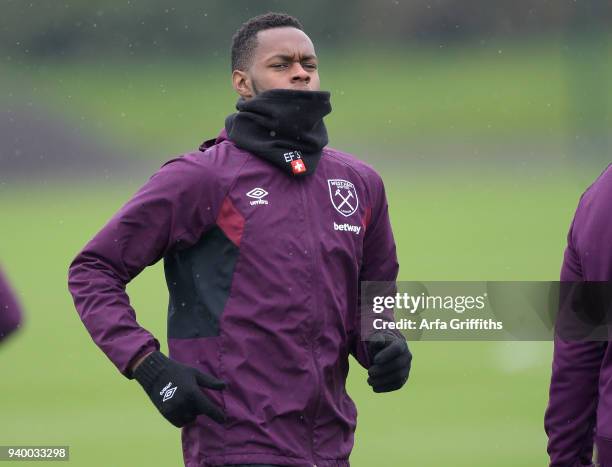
[505, 91]
[467, 404]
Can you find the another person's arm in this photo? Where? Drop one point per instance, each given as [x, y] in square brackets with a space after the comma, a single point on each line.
[10, 311]
[573, 397]
[571, 415]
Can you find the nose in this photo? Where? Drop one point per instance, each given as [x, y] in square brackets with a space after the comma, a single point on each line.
[300, 74]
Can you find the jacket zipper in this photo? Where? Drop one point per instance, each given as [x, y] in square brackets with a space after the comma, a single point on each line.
[313, 330]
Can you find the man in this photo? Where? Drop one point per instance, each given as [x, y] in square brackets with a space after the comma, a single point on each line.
[579, 412]
[265, 234]
[10, 311]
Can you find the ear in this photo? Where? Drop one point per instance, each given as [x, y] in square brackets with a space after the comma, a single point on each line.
[242, 84]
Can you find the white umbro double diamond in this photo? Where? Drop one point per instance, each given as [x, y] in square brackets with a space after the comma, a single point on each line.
[258, 194]
[168, 391]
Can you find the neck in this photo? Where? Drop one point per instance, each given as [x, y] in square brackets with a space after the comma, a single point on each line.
[282, 126]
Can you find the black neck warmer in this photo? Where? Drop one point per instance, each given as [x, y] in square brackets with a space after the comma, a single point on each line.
[283, 126]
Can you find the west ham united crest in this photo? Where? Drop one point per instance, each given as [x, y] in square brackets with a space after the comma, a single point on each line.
[343, 196]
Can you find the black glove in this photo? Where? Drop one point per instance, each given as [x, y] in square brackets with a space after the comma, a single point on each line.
[391, 362]
[173, 388]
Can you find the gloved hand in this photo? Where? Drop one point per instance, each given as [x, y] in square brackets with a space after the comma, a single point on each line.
[391, 361]
[174, 388]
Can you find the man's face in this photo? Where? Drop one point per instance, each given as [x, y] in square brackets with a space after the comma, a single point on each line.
[283, 59]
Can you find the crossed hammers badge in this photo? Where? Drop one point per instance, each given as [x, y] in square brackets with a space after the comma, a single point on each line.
[343, 196]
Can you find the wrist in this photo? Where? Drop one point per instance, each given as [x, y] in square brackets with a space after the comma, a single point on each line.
[147, 372]
[139, 360]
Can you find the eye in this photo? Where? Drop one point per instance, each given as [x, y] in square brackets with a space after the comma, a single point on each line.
[310, 66]
[279, 65]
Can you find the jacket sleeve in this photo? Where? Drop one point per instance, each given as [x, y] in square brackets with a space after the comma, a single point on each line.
[571, 413]
[10, 311]
[172, 210]
[379, 263]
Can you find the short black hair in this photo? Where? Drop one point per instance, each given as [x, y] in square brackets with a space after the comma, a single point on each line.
[244, 40]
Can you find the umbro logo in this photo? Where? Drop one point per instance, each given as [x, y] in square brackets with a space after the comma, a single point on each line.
[168, 391]
[258, 194]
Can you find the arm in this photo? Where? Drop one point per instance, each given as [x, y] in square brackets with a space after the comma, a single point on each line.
[571, 414]
[10, 311]
[384, 353]
[172, 210]
[379, 262]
